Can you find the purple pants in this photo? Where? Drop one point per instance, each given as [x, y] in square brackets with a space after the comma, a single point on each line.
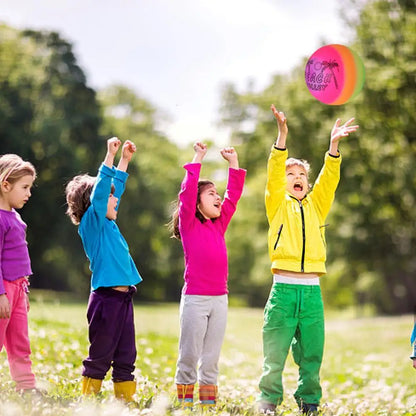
[111, 334]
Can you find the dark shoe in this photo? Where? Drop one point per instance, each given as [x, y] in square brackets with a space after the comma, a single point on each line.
[265, 408]
[309, 409]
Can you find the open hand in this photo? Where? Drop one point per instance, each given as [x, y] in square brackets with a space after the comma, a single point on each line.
[281, 120]
[338, 131]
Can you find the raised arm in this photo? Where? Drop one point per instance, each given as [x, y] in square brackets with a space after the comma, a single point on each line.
[282, 127]
[113, 145]
[236, 177]
[338, 132]
[127, 151]
[323, 192]
[276, 167]
[189, 188]
[102, 186]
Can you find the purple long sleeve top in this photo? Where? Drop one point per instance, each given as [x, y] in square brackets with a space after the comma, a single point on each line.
[206, 261]
[14, 253]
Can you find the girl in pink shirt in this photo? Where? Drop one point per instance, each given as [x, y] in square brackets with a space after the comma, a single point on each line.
[200, 222]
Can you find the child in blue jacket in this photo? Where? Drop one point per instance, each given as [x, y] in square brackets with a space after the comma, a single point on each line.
[413, 342]
[92, 204]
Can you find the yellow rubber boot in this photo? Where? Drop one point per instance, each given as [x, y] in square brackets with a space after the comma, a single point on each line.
[185, 395]
[124, 390]
[208, 395]
[90, 386]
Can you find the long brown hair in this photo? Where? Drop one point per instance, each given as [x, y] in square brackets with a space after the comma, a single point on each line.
[174, 222]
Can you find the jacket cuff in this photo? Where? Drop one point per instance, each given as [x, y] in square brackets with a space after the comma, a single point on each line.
[333, 159]
[106, 170]
[121, 175]
[193, 167]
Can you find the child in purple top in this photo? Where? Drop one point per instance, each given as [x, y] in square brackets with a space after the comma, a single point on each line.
[16, 179]
[200, 222]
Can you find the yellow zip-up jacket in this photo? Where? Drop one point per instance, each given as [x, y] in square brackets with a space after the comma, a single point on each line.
[297, 228]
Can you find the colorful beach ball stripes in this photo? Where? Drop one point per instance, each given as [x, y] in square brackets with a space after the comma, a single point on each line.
[334, 74]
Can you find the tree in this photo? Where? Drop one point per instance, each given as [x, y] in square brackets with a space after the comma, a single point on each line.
[48, 115]
[379, 190]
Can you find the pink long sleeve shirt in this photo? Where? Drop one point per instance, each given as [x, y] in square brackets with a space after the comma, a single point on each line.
[206, 261]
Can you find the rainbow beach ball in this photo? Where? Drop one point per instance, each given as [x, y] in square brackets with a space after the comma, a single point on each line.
[334, 74]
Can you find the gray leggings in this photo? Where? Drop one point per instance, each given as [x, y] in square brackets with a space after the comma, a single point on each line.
[203, 320]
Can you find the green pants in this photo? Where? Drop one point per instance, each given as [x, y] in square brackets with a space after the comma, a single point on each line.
[293, 316]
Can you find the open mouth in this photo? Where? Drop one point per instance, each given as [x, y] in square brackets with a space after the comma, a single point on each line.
[298, 187]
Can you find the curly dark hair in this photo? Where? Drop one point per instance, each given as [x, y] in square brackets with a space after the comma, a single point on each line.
[78, 193]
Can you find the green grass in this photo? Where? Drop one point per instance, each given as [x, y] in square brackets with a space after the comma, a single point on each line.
[366, 369]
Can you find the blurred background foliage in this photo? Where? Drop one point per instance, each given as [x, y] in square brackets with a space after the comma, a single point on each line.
[50, 116]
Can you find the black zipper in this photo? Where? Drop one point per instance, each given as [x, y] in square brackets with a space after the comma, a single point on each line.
[302, 263]
[278, 236]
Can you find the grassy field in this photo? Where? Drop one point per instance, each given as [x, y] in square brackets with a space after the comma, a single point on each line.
[366, 369]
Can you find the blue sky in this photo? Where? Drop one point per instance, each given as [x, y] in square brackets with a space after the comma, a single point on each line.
[178, 53]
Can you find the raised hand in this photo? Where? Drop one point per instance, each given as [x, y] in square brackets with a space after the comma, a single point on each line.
[113, 145]
[282, 126]
[128, 149]
[200, 152]
[230, 155]
[339, 131]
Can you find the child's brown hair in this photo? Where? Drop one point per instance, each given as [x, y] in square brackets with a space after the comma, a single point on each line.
[174, 223]
[78, 193]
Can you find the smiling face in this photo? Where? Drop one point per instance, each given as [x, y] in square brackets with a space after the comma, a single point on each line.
[297, 181]
[209, 202]
[17, 194]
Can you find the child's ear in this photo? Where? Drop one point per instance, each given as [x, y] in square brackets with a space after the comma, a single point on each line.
[5, 186]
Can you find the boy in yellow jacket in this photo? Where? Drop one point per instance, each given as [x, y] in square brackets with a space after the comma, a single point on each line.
[294, 311]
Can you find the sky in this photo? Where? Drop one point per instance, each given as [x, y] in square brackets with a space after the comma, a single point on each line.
[177, 54]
